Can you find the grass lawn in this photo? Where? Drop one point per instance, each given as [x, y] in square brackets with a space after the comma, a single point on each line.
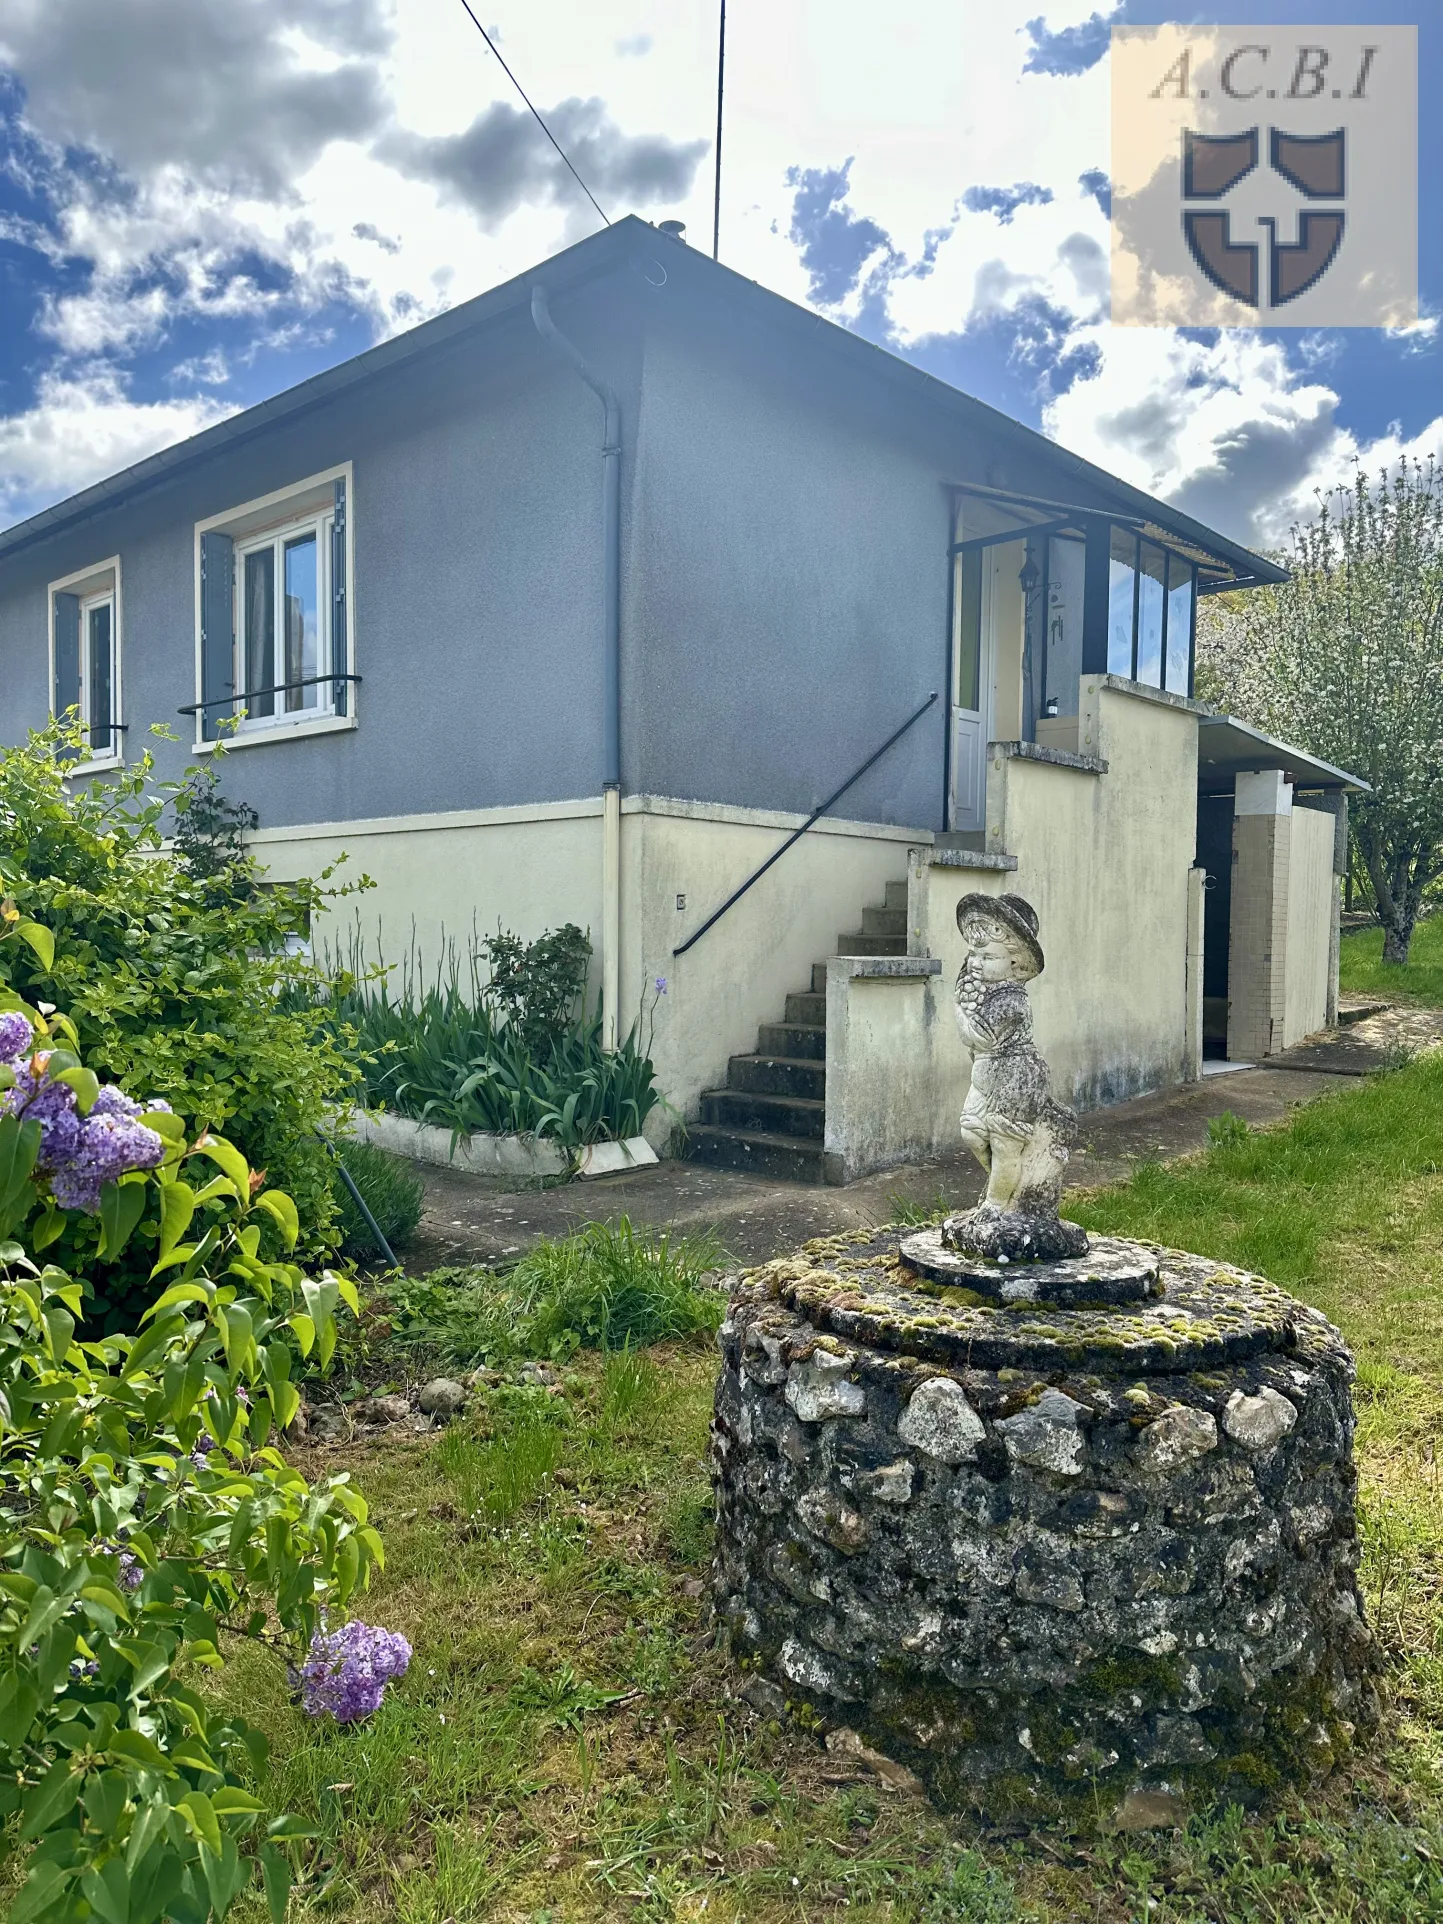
[1362, 970]
[564, 1747]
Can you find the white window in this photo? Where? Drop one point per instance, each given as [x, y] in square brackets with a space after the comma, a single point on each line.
[273, 615]
[85, 659]
[282, 589]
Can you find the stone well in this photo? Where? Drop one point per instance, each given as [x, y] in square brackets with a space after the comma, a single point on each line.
[1094, 1553]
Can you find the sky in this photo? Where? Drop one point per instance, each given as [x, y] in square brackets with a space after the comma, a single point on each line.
[203, 202]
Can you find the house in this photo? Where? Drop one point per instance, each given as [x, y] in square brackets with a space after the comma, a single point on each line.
[575, 603]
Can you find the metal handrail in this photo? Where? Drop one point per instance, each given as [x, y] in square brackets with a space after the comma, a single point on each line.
[796, 835]
[254, 694]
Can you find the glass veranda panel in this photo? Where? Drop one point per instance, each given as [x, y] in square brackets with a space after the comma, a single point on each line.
[1121, 602]
[1151, 595]
[1180, 592]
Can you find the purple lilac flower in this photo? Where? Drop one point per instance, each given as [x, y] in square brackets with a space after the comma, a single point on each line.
[15, 1035]
[132, 1570]
[346, 1671]
[661, 985]
[35, 1098]
[107, 1145]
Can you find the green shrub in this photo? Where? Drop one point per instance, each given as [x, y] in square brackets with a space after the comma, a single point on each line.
[604, 1288]
[145, 1524]
[494, 1042]
[175, 981]
[394, 1194]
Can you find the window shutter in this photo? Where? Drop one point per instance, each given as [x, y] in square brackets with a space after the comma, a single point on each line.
[340, 690]
[217, 631]
[67, 654]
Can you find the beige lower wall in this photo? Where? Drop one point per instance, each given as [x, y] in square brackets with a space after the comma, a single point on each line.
[1105, 861]
[881, 1068]
[1312, 895]
[443, 875]
[528, 870]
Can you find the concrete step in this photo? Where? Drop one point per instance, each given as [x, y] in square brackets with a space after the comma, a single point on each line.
[782, 1158]
[778, 1076]
[805, 1039]
[772, 1115]
[811, 1009]
[887, 921]
[819, 978]
[897, 896]
[862, 943]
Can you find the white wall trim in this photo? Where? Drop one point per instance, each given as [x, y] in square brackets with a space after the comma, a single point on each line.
[739, 817]
[586, 805]
[460, 818]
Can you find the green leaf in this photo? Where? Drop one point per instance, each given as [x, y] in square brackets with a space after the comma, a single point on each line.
[40, 940]
[195, 1807]
[149, 1822]
[150, 1663]
[59, 1331]
[224, 1875]
[86, 1085]
[276, 1877]
[104, 1800]
[19, 1146]
[122, 1204]
[41, 1889]
[177, 1206]
[46, 1610]
[230, 1160]
[48, 1801]
[278, 1204]
[108, 1892]
[166, 1124]
[230, 1799]
[19, 1701]
[135, 1748]
[46, 1227]
[178, 1293]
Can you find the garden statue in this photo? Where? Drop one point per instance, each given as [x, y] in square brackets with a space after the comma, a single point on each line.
[1010, 1122]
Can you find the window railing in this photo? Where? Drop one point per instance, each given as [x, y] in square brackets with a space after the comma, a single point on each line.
[238, 700]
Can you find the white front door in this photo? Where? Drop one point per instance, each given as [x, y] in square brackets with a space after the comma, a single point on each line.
[971, 690]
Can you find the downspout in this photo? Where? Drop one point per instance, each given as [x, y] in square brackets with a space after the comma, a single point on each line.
[611, 665]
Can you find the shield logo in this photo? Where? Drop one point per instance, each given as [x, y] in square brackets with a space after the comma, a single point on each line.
[1314, 165]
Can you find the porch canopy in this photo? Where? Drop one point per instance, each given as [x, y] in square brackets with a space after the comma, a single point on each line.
[1227, 748]
[1107, 591]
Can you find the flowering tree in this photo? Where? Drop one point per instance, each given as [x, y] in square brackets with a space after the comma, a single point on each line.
[1346, 659]
[146, 1518]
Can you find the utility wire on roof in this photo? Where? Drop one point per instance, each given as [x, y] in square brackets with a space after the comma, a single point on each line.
[536, 116]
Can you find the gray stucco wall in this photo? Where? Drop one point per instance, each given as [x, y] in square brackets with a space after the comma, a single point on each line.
[476, 514]
[789, 586]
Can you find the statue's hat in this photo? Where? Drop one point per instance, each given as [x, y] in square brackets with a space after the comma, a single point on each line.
[1013, 912]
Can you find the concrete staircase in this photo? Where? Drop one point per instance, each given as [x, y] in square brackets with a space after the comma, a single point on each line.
[770, 1118]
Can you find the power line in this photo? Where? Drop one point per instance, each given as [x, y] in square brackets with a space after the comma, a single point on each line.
[721, 67]
[536, 116]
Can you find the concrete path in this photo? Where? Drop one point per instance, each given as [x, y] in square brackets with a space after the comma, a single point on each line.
[474, 1219]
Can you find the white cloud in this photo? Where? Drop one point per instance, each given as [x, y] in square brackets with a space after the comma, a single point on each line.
[83, 427]
[264, 158]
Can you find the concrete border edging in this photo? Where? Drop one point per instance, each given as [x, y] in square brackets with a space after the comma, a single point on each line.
[488, 1155]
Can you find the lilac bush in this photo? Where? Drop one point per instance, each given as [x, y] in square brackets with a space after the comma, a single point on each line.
[347, 1670]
